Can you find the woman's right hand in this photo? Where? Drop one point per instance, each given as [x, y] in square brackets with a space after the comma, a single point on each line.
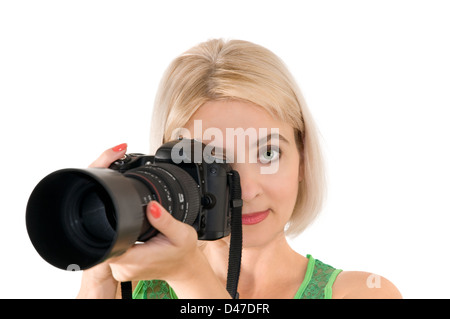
[98, 281]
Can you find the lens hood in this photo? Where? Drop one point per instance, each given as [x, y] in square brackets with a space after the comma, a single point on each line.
[84, 216]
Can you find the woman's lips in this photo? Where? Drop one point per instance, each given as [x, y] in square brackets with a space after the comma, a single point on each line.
[254, 218]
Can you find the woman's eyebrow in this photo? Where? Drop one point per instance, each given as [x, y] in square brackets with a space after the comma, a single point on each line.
[265, 139]
[276, 136]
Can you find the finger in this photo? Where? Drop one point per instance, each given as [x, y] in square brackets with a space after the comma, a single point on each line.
[110, 155]
[176, 231]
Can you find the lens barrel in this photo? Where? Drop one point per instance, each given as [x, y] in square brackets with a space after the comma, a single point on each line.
[84, 216]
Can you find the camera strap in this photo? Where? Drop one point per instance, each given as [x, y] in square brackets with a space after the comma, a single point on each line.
[127, 290]
[235, 252]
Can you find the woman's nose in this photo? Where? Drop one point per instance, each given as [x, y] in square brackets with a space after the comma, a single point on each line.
[250, 184]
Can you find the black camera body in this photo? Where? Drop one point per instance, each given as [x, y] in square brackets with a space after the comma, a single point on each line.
[211, 176]
[82, 217]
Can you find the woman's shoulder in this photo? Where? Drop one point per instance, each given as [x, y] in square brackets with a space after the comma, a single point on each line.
[363, 285]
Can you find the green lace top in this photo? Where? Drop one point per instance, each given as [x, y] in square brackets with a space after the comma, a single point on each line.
[317, 284]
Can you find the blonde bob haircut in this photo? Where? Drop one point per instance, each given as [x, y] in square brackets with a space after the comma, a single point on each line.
[241, 70]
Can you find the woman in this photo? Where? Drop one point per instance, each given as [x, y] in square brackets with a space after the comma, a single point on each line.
[239, 98]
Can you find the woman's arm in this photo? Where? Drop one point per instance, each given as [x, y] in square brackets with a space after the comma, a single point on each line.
[364, 285]
[98, 283]
[200, 281]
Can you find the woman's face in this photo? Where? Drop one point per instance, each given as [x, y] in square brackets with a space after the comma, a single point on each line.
[263, 150]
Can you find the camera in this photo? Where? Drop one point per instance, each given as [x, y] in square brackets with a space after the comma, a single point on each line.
[84, 216]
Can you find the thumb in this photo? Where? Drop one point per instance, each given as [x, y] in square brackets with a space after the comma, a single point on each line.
[110, 155]
[176, 231]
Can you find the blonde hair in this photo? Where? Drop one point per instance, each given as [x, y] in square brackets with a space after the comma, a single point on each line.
[241, 70]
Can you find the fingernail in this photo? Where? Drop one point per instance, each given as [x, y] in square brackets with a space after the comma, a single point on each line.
[155, 210]
[120, 147]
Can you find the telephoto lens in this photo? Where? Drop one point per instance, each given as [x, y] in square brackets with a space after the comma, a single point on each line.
[81, 217]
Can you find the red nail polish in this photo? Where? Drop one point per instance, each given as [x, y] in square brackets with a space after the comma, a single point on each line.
[155, 210]
[120, 147]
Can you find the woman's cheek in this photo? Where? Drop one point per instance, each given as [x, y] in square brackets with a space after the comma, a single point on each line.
[282, 190]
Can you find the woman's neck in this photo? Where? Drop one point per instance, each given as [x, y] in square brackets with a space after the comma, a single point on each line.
[264, 268]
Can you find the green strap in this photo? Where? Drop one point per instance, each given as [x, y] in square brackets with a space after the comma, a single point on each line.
[328, 288]
[307, 279]
[319, 280]
[138, 293]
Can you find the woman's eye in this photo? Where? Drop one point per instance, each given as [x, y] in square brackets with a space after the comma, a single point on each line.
[269, 155]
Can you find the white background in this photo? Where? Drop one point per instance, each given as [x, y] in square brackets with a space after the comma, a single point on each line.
[77, 77]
